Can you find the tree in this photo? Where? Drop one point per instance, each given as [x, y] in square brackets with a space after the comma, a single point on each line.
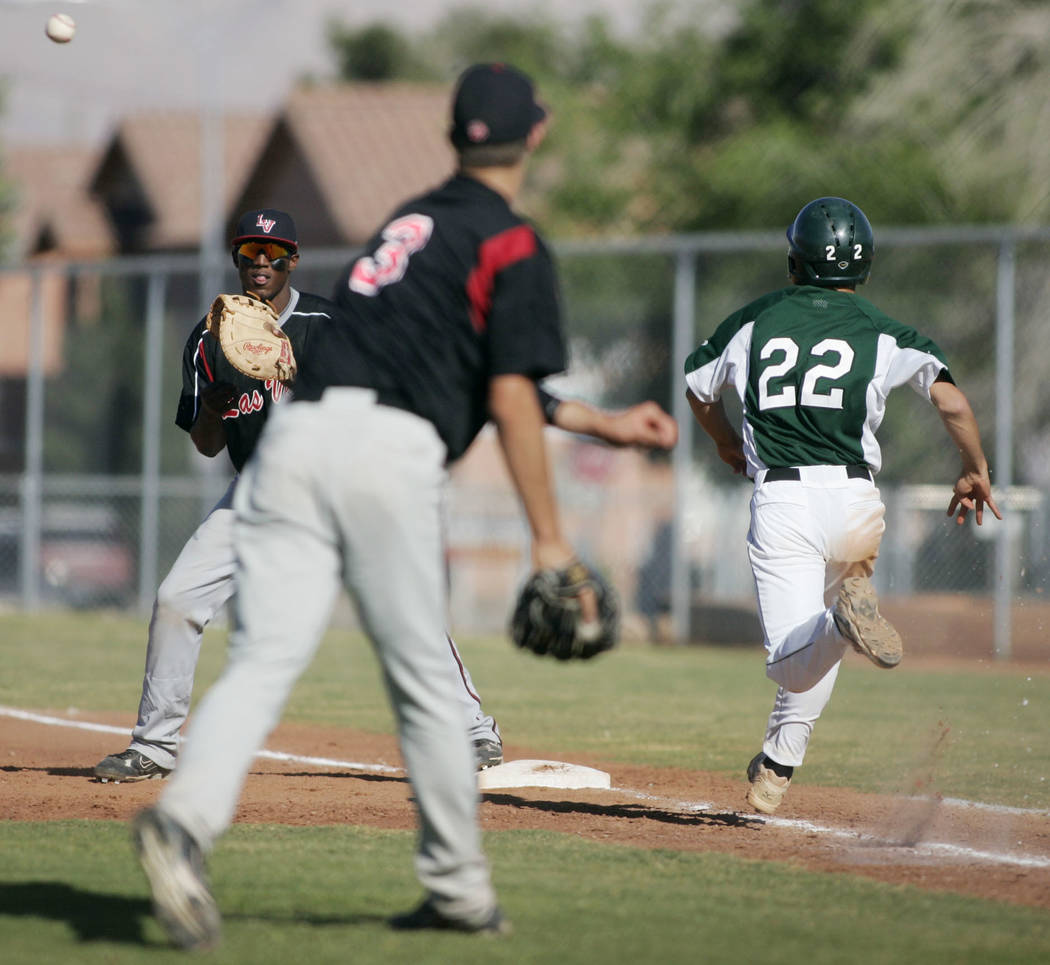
[376, 52]
[921, 113]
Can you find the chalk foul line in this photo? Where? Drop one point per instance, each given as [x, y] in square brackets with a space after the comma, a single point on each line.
[923, 849]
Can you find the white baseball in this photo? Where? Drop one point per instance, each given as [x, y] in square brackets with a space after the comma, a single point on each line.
[61, 27]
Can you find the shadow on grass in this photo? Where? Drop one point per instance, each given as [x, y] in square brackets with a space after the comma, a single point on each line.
[633, 811]
[94, 916]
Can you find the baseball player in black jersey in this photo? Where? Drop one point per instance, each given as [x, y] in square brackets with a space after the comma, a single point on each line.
[452, 318]
[813, 364]
[221, 409]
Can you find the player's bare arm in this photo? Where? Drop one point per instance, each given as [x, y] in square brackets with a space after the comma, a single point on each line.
[519, 421]
[207, 433]
[645, 424]
[973, 489]
[515, 409]
[714, 421]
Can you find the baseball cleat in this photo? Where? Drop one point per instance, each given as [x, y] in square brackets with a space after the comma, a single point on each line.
[174, 865]
[857, 617]
[487, 753]
[767, 788]
[128, 767]
[427, 916]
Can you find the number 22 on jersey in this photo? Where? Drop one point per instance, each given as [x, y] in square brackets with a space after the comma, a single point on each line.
[402, 238]
[785, 352]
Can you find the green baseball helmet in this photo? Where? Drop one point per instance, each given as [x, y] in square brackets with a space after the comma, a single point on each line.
[830, 243]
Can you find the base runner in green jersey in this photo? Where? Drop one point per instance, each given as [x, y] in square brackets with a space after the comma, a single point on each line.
[813, 364]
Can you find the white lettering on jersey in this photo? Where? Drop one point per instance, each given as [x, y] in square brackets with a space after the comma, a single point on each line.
[832, 399]
[402, 238]
[810, 396]
[785, 399]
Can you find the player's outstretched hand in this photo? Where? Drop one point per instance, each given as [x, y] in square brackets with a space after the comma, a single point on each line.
[645, 424]
[973, 491]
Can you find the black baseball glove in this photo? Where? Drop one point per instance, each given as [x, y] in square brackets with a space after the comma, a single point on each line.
[547, 618]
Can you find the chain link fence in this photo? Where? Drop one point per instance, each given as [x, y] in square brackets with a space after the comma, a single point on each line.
[99, 489]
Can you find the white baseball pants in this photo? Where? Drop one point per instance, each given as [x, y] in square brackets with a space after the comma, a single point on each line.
[805, 538]
[343, 492]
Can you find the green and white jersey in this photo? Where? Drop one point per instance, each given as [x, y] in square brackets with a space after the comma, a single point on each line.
[813, 367]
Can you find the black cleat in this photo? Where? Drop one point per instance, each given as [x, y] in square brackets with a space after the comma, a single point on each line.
[426, 916]
[128, 767]
[487, 753]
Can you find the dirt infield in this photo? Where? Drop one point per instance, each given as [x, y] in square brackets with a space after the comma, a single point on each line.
[1002, 854]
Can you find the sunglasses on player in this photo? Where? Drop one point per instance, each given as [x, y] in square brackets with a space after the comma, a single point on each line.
[244, 255]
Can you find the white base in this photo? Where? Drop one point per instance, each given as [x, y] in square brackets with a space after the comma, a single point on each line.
[542, 774]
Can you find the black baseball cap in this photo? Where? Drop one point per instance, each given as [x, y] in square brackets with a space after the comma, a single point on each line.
[493, 104]
[266, 224]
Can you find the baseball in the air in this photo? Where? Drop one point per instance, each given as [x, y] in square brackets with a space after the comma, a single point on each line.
[61, 27]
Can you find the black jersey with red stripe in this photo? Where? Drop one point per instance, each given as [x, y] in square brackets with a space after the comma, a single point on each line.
[203, 364]
[455, 289]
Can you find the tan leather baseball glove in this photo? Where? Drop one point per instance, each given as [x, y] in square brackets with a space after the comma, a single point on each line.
[252, 341]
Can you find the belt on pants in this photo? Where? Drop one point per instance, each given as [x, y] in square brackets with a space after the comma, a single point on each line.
[793, 474]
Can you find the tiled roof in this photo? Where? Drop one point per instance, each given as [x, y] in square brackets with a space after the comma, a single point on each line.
[52, 206]
[164, 153]
[339, 157]
[370, 146]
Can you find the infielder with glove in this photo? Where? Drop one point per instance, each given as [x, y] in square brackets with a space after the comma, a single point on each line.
[223, 408]
[813, 364]
[452, 318]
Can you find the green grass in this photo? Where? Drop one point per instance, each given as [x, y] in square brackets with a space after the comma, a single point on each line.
[976, 733]
[71, 892]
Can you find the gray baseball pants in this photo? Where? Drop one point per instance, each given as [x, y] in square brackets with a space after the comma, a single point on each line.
[343, 492]
[198, 586]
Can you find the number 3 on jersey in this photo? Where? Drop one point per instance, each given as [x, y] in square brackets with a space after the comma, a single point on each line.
[402, 238]
[787, 349]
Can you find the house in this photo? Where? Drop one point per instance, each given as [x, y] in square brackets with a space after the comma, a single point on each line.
[338, 157]
[148, 179]
[341, 157]
[54, 212]
[53, 216]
